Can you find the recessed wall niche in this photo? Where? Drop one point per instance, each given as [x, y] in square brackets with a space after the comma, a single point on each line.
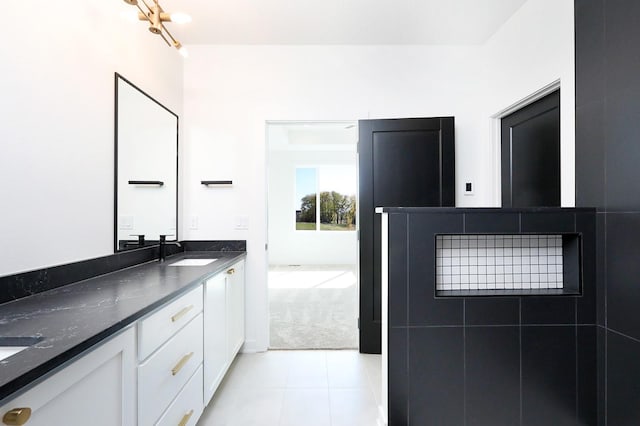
[507, 264]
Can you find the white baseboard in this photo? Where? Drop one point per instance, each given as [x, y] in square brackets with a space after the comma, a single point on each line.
[250, 347]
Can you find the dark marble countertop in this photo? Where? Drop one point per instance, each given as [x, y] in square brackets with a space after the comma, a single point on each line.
[74, 318]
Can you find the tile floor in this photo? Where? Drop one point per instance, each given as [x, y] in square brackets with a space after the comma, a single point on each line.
[301, 388]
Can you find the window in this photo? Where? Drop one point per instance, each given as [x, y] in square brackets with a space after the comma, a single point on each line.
[326, 198]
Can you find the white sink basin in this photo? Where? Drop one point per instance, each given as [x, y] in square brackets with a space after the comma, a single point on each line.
[7, 351]
[10, 346]
[193, 262]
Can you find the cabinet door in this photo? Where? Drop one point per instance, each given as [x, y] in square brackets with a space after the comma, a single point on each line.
[97, 389]
[215, 334]
[235, 306]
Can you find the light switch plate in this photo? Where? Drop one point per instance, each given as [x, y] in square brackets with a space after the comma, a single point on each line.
[468, 188]
[242, 222]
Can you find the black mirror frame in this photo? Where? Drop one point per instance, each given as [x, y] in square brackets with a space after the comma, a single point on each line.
[117, 77]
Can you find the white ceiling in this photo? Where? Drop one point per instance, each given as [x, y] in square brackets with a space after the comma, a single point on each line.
[313, 136]
[340, 21]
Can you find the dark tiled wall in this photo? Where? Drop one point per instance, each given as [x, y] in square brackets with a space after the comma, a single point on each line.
[526, 360]
[607, 176]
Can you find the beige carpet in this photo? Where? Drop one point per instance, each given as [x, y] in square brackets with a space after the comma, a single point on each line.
[313, 307]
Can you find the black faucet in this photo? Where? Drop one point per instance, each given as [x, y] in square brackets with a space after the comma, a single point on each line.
[162, 247]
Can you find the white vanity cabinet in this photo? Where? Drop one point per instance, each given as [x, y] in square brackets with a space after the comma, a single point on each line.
[173, 362]
[215, 334]
[223, 324]
[161, 370]
[235, 312]
[97, 389]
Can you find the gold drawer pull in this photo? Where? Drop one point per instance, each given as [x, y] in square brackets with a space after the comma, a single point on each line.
[182, 313]
[17, 416]
[175, 370]
[231, 271]
[185, 419]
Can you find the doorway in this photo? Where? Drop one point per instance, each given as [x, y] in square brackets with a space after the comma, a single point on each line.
[530, 164]
[312, 236]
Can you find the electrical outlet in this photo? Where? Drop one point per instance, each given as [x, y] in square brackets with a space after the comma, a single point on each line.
[193, 223]
[126, 222]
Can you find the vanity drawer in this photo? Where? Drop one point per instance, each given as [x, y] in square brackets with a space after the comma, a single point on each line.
[164, 374]
[186, 409]
[154, 330]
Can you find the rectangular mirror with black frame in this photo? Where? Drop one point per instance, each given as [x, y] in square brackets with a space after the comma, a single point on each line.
[146, 168]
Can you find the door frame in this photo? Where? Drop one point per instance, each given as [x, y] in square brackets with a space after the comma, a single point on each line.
[267, 158]
[496, 134]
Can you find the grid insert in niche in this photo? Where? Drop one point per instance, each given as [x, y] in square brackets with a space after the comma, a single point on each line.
[499, 262]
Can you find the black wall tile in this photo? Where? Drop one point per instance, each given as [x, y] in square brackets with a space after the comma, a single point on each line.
[589, 32]
[586, 305]
[602, 374]
[590, 150]
[492, 311]
[398, 376]
[587, 379]
[492, 357]
[482, 223]
[436, 380]
[623, 380]
[623, 270]
[398, 269]
[601, 267]
[548, 310]
[549, 376]
[548, 222]
[622, 126]
[621, 45]
[424, 308]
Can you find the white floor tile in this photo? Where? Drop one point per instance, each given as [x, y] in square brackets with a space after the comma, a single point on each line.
[301, 388]
[307, 369]
[347, 369]
[352, 407]
[308, 407]
[266, 370]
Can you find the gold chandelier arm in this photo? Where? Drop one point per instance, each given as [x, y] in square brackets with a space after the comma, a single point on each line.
[143, 15]
[169, 34]
[147, 6]
[165, 39]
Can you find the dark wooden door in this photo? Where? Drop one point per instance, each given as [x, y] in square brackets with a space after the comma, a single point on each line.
[531, 155]
[402, 163]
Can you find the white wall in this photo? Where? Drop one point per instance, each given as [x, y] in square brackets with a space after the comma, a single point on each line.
[232, 91]
[57, 109]
[531, 50]
[288, 246]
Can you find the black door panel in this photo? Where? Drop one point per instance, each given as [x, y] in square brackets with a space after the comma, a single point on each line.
[402, 163]
[531, 155]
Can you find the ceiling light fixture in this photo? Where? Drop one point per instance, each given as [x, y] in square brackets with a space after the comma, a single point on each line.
[156, 17]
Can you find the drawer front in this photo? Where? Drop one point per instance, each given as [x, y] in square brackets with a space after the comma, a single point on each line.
[164, 374]
[187, 408]
[157, 328]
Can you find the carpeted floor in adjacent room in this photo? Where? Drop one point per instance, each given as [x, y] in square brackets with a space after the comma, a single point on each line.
[313, 307]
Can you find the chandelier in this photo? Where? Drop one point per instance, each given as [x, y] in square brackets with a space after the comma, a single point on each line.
[156, 17]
